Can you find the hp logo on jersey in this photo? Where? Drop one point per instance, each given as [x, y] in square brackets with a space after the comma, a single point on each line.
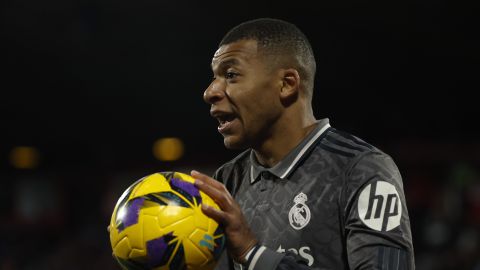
[379, 206]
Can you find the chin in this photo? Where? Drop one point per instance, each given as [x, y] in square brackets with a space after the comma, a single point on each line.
[234, 143]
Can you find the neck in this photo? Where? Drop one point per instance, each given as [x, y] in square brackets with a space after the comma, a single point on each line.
[283, 139]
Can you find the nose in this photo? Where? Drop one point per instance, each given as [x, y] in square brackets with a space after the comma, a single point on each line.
[214, 92]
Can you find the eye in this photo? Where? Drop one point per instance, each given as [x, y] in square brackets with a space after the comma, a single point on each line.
[231, 75]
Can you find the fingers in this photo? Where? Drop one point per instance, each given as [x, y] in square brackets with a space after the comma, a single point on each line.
[207, 179]
[240, 238]
[217, 215]
[214, 189]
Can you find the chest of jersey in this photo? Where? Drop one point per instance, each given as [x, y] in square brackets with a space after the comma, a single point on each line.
[299, 214]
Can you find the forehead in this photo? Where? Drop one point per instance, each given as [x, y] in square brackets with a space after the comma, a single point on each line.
[236, 52]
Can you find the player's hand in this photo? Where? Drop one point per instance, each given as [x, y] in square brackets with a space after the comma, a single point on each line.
[240, 239]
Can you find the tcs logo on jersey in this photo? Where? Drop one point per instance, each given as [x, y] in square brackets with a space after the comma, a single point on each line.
[303, 252]
[379, 206]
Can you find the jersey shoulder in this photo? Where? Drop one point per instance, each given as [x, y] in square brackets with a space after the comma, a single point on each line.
[345, 145]
[360, 160]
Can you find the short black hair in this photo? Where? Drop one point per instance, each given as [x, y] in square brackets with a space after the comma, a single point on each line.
[281, 38]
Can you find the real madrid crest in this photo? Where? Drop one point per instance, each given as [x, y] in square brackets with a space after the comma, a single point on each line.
[299, 214]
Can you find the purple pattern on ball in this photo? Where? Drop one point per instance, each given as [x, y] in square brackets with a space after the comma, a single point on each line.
[189, 188]
[131, 212]
[156, 250]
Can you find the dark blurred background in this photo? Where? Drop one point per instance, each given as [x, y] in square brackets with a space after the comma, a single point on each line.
[96, 94]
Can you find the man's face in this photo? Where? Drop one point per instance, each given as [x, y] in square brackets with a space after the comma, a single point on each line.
[244, 94]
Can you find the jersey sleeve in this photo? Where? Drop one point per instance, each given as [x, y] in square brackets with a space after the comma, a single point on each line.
[377, 225]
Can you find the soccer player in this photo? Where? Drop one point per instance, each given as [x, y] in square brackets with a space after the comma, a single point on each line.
[303, 195]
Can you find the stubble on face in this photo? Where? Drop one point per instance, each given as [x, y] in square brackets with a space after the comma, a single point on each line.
[251, 97]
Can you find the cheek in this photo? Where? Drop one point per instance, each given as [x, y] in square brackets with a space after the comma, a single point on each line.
[262, 112]
[256, 102]
[267, 100]
[262, 93]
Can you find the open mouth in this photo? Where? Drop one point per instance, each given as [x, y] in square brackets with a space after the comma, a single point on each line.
[225, 120]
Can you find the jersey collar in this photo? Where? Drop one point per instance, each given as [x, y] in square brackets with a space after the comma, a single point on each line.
[286, 165]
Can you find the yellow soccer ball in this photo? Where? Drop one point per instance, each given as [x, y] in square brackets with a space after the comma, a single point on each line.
[158, 224]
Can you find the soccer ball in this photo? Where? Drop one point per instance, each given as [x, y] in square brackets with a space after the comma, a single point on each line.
[158, 224]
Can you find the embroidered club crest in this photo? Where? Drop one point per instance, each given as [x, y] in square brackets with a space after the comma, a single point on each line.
[299, 214]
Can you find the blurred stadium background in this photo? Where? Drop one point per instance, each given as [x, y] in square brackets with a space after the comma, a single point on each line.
[96, 94]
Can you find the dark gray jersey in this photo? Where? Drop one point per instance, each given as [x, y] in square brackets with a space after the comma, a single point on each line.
[335, 202]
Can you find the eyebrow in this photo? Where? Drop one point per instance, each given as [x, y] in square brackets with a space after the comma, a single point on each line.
[227, 63]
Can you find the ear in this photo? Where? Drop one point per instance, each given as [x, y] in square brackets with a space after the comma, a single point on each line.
[290, 83]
